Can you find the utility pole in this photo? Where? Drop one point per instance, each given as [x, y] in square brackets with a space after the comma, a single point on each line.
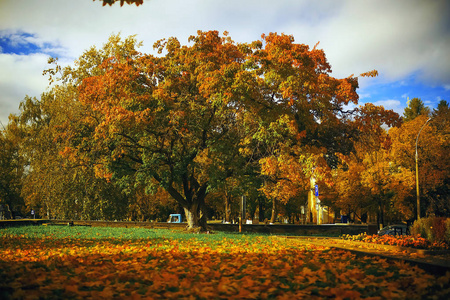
[242, 216]
[318, 207]
[417, 170]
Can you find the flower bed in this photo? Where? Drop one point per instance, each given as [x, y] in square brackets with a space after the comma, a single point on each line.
[399, 240]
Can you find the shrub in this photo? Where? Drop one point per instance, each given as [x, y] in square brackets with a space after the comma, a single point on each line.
[438, 226]
[433, 229]
[418, 228]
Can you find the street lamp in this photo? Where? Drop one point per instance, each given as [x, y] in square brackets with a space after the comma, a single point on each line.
[417, 171]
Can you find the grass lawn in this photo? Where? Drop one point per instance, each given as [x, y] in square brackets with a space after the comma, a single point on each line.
[63, 262]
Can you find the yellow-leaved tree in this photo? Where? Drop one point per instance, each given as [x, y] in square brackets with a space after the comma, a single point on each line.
[370, 180]
[433, 146]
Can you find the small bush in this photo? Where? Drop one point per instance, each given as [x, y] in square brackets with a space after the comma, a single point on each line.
[433, 229]
[439, 229]
[418, 228]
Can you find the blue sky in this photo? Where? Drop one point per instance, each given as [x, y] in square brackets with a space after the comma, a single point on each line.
[407, 41]
[21, 43]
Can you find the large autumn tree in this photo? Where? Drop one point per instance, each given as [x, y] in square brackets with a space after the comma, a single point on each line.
[196, 115]
[168, 121]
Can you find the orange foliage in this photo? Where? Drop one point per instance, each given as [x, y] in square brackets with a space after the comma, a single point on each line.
[296, 82]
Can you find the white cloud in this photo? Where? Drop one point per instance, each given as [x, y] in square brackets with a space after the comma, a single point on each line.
[363, 95]
[394, 37]
[398, 38]
[395, 105]
[20, 75]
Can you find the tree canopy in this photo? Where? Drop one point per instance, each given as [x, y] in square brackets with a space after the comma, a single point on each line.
[122, 134]
[191, 118]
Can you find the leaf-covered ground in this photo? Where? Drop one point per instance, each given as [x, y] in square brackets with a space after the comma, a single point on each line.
[61, 262]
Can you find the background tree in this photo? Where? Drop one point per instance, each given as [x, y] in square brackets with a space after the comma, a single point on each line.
[433, 149]
[441, 116]
[11, 171]
[414, 109]
[155, 207]
[368, 179]
[53, 187]
[442, 108]
[225, 198]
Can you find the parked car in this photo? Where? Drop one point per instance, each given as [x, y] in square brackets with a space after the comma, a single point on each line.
[399, 229]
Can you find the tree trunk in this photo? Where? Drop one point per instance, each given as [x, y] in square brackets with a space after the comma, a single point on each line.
[191, 217]
[381, 215]
[227, 207]
[193, 202]
[261, 209]
[196, 216]
[274, 211]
